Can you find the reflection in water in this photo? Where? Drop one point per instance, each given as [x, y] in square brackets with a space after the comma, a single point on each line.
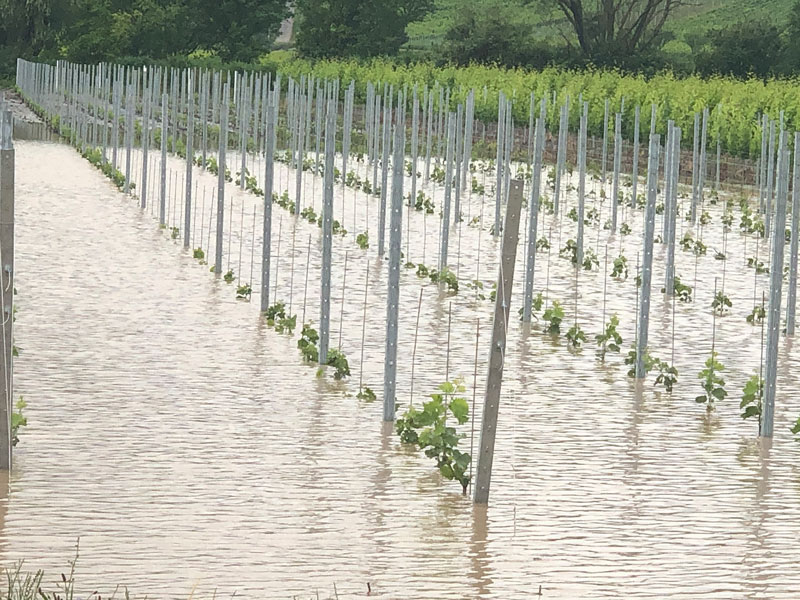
[758, 555]
[187, 444]
[479, 555]
[4, 501]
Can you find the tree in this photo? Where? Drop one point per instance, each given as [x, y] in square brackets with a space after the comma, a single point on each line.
[493, 33]
[360, 28]
[30, 25]
[231, 29]
[791, 53]
[747, 48]
[234, 29]
[609, 29]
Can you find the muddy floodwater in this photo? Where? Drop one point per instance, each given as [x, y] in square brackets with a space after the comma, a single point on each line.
[191, 450]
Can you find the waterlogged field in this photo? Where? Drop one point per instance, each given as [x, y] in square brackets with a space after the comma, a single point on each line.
[191, 448]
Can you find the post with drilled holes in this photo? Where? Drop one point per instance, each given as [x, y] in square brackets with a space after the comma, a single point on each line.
[775, 289]
[560, 152]
[327, 232]
[604, 158]
[393, 295]
[6, 286]
[671, 212]
[445, 237]
[791, 299]
[162, 208]
[770, 178]
[387, 142]
[223, 145]
[145, 145]
[695, 168]
[533, 219]
[667, 180]
[269, 174]
[497, 349]
[187, 212]
[615, 179]
[498, 192]
[582, 138]
[130, 108]
[647, 263]
[635, 166]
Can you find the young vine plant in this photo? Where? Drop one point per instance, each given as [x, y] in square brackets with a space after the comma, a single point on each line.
[752, 397]
[610, 340]
[553, 316]
[575, 336]
[427, 429]
[712, 382]
[721, 303]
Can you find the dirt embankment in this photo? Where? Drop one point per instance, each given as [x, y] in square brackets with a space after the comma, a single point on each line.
[18, 107]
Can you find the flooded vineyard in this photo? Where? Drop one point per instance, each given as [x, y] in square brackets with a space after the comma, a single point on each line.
[184, 439]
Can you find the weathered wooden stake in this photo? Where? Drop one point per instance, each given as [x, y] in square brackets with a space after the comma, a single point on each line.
[497, 349]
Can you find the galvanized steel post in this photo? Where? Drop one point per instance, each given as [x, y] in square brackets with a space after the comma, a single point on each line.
[670, 213]
[695, 168]
[791, 301]
[562, 143]
[582, 138]
[187, 211]
[6, 285]
[605, 142]
[533, 220]
[130, 107]
[775, 288]
[412, 197]
[327, 232]
[770, 179]
[393, 293]
[387, 140]
[269, 171]
[617, 160]
[498, 192]
[647, 262]
[163, 175]
[223, 146]
[145, 141]
[445, 237]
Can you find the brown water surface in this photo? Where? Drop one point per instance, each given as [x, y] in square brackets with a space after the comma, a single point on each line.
[189, 448]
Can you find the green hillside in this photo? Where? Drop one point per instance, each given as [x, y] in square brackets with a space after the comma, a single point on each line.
[431, 31]
[714, 14]
[549, 23]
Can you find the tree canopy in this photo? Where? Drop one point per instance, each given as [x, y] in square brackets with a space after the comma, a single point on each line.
[604, 28]
[360, 28]
[94, 30]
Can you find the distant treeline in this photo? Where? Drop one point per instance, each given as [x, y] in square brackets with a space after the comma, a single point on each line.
[507, 33]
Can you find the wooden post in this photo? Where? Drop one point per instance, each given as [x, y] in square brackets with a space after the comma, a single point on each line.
[497, 350]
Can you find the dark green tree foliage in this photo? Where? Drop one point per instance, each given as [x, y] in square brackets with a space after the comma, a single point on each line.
[27, 29]
[791, 51]
[493, 33]
[95, 30]
[747, 48]
[360, 28]
[235, 29]
[104, 29]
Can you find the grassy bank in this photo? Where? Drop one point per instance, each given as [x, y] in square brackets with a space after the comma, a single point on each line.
[24, 584]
